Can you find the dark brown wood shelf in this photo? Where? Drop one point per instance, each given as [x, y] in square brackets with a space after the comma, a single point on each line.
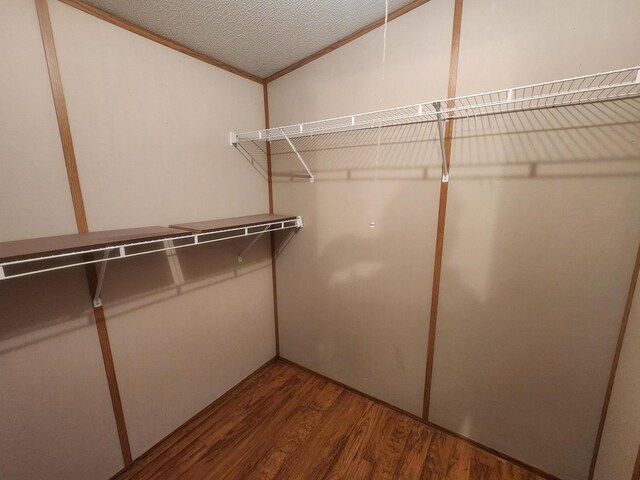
[35, 255]
[47, 246]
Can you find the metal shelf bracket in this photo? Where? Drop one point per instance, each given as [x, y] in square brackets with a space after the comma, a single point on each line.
[282, 226]
[253, 242]
[233, 141]
[97, 301]
[312, 179]
[102, 268]
[445, 169]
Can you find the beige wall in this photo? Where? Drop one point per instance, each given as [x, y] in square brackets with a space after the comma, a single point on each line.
[30, 149]
[150, 128]
[540, 237]
[541, 234]
[56, 419]
[354, 300]
[621, 435]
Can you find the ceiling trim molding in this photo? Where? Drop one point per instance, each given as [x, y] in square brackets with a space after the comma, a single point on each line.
[349, 38]
[119, 22]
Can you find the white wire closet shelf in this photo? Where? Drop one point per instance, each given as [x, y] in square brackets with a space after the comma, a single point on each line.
[29, 257]
[598, 87]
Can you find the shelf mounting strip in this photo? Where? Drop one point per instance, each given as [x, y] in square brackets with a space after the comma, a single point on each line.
[598, 87]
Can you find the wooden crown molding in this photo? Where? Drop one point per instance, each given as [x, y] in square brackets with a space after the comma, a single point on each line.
[114, 20]
[119, 22]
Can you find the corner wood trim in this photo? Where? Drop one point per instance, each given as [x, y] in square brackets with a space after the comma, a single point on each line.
[524, 466]
[107, 17]
[273, 234]
[636, 469]
[46, 31]
[349, 38]
[442, 212]
[614, 368]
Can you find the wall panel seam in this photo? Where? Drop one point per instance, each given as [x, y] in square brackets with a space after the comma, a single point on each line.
[442, 212]
[57, 91]
[272, 235]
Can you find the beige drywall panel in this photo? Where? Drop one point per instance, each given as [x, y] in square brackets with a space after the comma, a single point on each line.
[507, 43]
[34, 194]
[184, 329]
[55, 411]
[621, 435]
[353, 299]
[151, 130]
[541, 233]
[151, 127]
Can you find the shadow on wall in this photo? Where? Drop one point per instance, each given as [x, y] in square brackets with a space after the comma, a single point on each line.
[39, 307]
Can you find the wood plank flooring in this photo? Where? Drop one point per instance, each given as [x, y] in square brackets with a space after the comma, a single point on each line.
[287, 423]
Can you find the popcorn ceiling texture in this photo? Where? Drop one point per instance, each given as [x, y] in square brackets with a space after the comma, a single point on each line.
[258, 36]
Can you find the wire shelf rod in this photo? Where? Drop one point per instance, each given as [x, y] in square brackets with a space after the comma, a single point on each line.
[612, 85]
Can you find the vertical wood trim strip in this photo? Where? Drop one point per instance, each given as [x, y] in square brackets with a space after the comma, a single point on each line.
[636, 469]
[442, 212]
[110, 370]
[614, 363]
[61, 114]
[265, 91]
[57, 91]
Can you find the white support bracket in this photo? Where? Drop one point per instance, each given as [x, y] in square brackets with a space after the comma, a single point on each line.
[254, 241]
[445, 169]
[97, 301]
[233, 139]
[312, 179]
[1, 272]
[638, 76]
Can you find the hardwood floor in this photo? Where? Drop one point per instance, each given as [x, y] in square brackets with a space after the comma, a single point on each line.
[287, 423]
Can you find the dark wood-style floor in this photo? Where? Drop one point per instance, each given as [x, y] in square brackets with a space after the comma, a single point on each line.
[286, 423]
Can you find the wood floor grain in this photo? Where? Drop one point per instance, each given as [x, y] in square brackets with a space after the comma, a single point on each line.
[288, 424]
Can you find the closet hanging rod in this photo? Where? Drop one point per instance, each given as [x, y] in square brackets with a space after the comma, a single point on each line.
[586, 89]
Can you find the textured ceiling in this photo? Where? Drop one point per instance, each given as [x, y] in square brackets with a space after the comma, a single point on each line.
[258, 36]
